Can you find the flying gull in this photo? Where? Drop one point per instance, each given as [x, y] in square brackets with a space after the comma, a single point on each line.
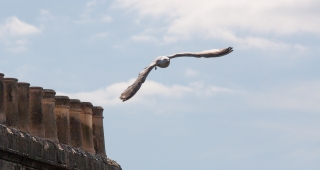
[163, 62]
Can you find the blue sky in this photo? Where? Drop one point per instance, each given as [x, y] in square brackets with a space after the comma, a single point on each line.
[256, 108]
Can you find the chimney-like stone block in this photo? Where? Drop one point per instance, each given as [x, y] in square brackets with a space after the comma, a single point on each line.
[23, 106]
[11, 102]
[36, 114]
[86, 127]
[2, 113]
[75, 123]
[98, 133]
[49, 116]
[62, 118]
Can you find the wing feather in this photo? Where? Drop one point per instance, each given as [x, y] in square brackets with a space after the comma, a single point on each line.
[132, 90]
[205, 54]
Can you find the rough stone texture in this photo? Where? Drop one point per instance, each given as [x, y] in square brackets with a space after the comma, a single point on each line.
[2, 113]
[86, 127]
[11, 102]
[97, 129]
[6, 165]
[36, 114]
[49, 117]
[75, 123]
[23, 106]
[113, 165]
[62, 118]
[19, 150]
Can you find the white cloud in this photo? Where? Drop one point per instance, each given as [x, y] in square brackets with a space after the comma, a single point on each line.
[230, 20]
[110, 94]
[281, 16]
[15, 27]
[14, 33]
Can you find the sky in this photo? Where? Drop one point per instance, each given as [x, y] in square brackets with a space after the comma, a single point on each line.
[255, 108]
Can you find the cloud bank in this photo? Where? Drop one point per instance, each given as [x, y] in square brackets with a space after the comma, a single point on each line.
[245, 22]
[302, 96]
[150, 89]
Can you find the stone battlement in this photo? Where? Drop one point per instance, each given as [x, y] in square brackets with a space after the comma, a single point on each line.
[39, 130]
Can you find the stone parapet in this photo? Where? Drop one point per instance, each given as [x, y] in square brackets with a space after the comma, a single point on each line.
[42, 131]
[19, 149]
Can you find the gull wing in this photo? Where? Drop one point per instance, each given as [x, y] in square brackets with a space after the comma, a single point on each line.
[132, 90]
[205, 54]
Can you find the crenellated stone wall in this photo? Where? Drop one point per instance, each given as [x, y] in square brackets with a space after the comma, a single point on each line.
[39, 130]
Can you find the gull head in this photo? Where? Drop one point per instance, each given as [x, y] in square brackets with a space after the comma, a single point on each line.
[163, 62]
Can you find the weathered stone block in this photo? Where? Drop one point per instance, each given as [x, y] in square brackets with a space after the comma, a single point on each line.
[49, 117]
[36, 114]
[11, 102]
[62, 118]
[23, 106]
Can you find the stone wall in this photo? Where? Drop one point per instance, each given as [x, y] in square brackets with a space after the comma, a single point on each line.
[39, 130]
[22, 150]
